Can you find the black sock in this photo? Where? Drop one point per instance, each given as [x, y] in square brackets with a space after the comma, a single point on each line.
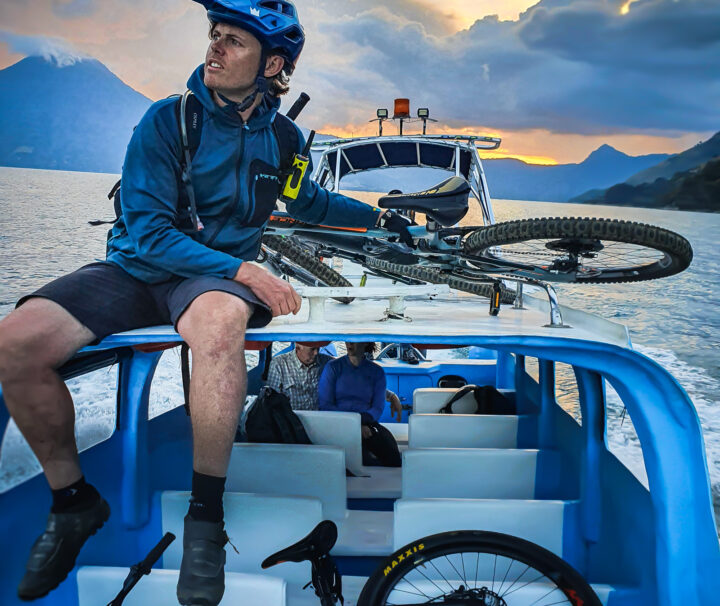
[206, 502]
[76, 497]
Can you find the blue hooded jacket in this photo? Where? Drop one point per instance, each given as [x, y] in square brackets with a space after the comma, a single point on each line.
[235, 178]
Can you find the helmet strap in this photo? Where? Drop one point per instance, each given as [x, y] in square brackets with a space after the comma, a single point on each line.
[261, 87]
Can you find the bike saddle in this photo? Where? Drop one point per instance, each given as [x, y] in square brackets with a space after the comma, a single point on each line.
[318, 543]
[446, 203]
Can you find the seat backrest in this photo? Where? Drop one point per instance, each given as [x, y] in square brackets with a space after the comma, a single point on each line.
[429, 400]
[462, 431]
[432, 399]
[291, 469]
[336, 429]
[469, 473]
[258, 525]
[100, 584]
[542, 522]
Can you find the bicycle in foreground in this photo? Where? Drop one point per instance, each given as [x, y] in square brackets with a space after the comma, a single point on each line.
[458, 568]
[473, 258]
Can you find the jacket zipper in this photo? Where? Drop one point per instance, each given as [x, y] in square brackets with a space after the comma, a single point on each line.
[236, 203]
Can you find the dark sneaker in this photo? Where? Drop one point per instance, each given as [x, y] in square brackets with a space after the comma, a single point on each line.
[202, 572]
[53, 555]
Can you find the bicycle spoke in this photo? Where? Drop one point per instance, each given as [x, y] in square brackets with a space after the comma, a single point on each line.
[442, 575]
[507, 572]
[477, 563]
[554, 589]
[515, 581]
[456, 570]
[429, 579]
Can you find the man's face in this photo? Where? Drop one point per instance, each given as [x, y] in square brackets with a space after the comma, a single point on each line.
[305, 354]
[232, 61]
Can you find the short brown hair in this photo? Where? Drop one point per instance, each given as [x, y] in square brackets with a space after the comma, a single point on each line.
[280, 84]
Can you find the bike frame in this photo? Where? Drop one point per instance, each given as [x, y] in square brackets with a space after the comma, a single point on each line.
[356, 243]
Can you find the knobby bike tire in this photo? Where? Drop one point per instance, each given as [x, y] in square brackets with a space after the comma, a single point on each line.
[397, 566]
[677, 249]
[302, 258]
[436, 276]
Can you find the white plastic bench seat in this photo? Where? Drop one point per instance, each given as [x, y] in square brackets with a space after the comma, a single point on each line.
[429, 400]
[257, 525]
[377, 483]
[341, 429]
[291, 469]
[365, 533]
[311, 471]
[463, 431]
[542, 522]
[100, 584]
[471, 473]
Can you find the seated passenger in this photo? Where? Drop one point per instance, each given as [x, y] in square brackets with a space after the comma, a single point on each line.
[296, 374]
[353, 383]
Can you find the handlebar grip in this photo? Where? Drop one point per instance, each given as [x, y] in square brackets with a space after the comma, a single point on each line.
[298, 106]
[156, 552]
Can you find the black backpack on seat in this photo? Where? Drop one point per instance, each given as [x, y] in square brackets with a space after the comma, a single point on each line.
[272, 420]
[489, 401]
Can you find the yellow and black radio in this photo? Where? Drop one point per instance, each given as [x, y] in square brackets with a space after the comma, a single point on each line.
[300, 164]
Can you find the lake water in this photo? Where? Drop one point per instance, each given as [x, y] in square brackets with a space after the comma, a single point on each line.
[44, 233]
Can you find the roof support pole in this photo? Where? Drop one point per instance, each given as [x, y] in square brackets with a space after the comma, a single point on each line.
[591, 388]
[136, 375]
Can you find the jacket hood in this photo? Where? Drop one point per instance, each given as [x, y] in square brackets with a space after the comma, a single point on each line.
[262, 117]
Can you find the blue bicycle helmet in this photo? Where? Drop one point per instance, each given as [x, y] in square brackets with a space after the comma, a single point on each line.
[273, 22]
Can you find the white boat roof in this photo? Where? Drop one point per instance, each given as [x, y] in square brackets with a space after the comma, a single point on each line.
[448, 317]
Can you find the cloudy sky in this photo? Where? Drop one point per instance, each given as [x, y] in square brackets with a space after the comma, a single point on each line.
[554, 78]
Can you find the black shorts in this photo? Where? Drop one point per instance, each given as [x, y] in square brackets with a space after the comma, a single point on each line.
[107, 300]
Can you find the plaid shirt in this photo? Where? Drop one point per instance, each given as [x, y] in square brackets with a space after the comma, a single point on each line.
[298, 382]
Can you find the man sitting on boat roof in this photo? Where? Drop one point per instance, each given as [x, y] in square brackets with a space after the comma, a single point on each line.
[297, 375]
[159, 270]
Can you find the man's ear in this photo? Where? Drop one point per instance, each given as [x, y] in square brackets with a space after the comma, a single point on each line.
[274, 65]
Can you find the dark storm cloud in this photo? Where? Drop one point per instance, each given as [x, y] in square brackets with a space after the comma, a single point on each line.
[576, 66]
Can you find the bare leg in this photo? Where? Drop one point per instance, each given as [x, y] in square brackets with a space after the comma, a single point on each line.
[214, 327]
[35, 340]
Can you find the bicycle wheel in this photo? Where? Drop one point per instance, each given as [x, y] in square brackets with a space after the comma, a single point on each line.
[583, 250]
[436, 276]
[476, 568]
[302, 258]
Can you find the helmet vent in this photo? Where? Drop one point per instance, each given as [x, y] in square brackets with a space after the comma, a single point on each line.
[293, 35]
[278, 6]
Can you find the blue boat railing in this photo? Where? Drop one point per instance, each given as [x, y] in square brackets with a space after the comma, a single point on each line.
[687, 555]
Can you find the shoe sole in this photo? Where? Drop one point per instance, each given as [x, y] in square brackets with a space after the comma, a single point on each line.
[42, 595]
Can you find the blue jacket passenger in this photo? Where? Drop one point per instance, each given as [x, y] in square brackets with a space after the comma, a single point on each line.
[236, 181]
[346, 388]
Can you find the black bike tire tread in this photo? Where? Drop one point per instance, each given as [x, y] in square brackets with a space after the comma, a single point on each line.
[631, 232]
[309, 263]
[435, 276]
[538, 557]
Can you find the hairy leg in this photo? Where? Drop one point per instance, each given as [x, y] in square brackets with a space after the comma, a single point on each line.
[214, 327]
[35, 340]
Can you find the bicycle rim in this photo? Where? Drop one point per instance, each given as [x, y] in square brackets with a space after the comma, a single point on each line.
[583, 250]
[474, 568]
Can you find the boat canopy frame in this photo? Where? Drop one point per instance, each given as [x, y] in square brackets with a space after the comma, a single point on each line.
[453, 153]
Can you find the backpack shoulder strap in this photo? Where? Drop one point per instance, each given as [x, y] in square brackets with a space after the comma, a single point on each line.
[188, 112]
[447, 409]
[288, 140]
[190, 127]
